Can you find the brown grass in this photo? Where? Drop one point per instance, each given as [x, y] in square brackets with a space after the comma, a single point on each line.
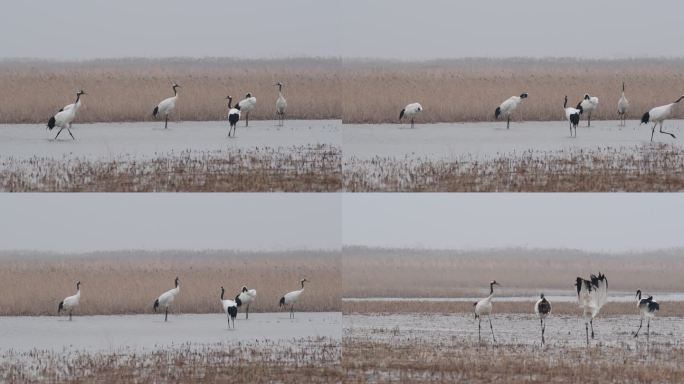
[300, 169]
[372, 272]
[418, 360]
[129, 282]
[646, 169]
[304, 361]
[446, 308]
[128, 89]
[471, 89]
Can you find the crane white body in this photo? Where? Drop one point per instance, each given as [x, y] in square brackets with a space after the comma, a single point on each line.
[230, 308]
[542, 308]
[622, 106]
[233, 116]
[291, 298]
[246, 296]
[647, 309]
[572, 115]
[71, 302]
[246, 105]
[484, 308]
[508, 106]
[658, 115]
[588, 104]
[166, 299]
[66, 116]
[280, 105]
[592, 294]
[410, 111]
[166, 106]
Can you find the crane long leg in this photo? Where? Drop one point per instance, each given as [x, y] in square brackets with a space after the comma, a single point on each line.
[69, 315]
[542, 329]
[492, 328]
[661, 131]
[60, 131]
[589, 120]
[479, 330]
[648, 329]
[508, 122]
[592, 327]
[586, 327]
[166, 122]
[640, 324]
[70, 134]
[166, 314]
[228, 318]
[247, 312]
[653, 131]
[412, 122]
[247, 119]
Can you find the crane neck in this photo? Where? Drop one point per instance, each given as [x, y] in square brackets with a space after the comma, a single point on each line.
[302, 285]
[222, 292]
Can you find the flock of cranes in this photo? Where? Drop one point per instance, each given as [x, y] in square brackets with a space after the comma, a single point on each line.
[230, 307]
[592, 295]
[66, 115]
[587, 105]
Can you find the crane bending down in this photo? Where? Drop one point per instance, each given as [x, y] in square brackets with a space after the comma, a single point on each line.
[166, 299]
[588, 104]
[410, 111]
[542, 309]
[647, 308]
[508, 106]
[592, 294]
[246, 296]
[65, 116]
[484, 308]
[658, 115]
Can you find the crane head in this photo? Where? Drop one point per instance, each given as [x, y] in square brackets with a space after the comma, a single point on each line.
[586, 96]
[638, 293]
[244, 288]
[229, 97]
[303, 280]
[174, 86]
[78, 285]
[81, 92]
[541, 296]
[524, 95]
[248, 95]
[177, 281]
[494, 283]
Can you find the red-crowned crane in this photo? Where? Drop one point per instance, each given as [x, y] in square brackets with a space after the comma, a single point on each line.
[410, 111]
[572, 115]
[246, 296]
[166, 106]
[647, 308]
[233, 116]
[542, 308]
[592, 294]
[166, 298]
[246, 105]
[230, 308]
[588, 104]
[658, 115]
[622, 106]
[281, 105]
[291, 298]
[71, 302]
[508, 106]
[65, 116]
[484, 308]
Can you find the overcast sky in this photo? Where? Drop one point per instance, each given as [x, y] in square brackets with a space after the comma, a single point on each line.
[401, 29]
[88, 222]
[595, 222]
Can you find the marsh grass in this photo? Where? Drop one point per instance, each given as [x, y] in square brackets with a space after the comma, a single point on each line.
[644, 169]
[129, 282]
[374, 91]
[128, 89]
[311, 168]
[297, 361]
[379, 272]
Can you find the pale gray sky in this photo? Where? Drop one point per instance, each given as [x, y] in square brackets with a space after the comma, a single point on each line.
[88, 222]
[596, 222]
[401, 29]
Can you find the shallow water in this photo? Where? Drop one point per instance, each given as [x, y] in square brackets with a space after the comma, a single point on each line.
[149, 139]
[149, 332]
[489, 139]
[554, 297]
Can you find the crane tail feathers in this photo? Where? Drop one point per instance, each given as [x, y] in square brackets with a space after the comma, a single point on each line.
[156, 305]
[156, 111]
[61, 306]
[401, 114]
[282, 301]
[51, 122]
[645, 118]
[497, 113]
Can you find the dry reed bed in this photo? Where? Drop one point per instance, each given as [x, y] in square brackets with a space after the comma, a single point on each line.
[311, 168]
[471, 89]
[128, 89]
[418, 360]
[377, 272]
[129, 282]
[644, 169]
[300, 361]
[671, 309]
